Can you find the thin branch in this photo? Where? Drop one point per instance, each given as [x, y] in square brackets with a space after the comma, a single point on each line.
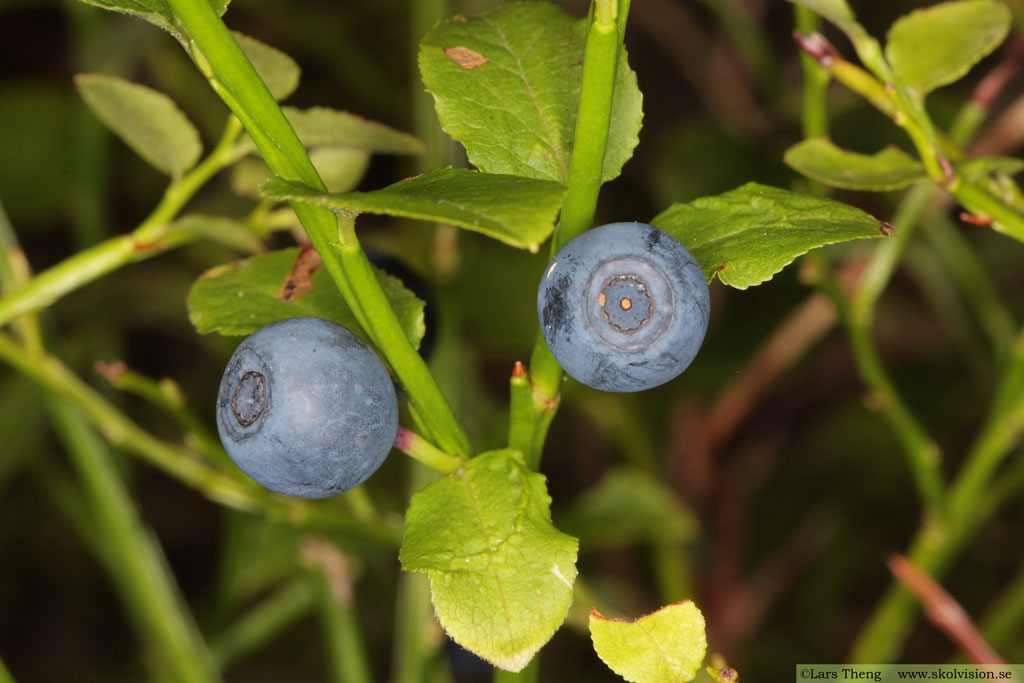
[943, 610]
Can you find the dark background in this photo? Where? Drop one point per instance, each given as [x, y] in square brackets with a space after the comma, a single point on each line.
[797, 506]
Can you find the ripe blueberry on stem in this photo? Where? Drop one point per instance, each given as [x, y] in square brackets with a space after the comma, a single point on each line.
[623, 307]
[306, 409]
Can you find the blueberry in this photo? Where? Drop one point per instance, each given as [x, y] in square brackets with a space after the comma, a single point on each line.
[306, 409]
[623, 307]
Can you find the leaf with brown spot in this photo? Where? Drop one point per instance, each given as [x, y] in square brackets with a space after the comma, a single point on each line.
[300, 280]
[517, 116]
[464, 57]
[241, 297]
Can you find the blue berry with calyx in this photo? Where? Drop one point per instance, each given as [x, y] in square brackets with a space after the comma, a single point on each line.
[623, 307]
[306, 409]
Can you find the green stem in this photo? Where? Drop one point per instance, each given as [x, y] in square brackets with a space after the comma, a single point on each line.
[336, 598]
[166, 396]
[418, 448]
[814, 94]
[887, 255]
[972, 278]
[1000, 435]
[857, 313]
[520, 413]
[600, 64]
[263, 622]
[148, 587]
[416, 632]
[1001, 626]
[154, 236]
[416, 636]
[922, 452]
[235, 80]
[937, 544]
[5, 675]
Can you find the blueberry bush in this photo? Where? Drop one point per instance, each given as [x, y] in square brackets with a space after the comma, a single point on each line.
[648, 451]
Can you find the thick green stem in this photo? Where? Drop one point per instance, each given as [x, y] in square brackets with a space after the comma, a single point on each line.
[263, 622]
[154, 236]
[148, 588]
[233, 78]
[600, 64]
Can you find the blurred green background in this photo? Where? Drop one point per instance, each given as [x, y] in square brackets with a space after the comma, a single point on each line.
[784, 508]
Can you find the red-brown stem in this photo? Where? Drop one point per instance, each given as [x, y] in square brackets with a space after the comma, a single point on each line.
[943, 610]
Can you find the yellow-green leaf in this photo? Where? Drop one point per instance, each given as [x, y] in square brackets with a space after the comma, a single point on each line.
[500, 573]
[936, 45]
[666, 646]
[148, 121]
[889, 169]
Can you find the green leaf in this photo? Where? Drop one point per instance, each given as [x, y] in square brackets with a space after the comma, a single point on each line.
[278, 70]
[518, 211]
[839, 13]
[821, 160]
[626, 507]
[148, 121]
[157, 12]
[340, 168]
[507, 86]
[666, 646]
[936, 45]
[241, 297]
[747, 235]
[500, 573]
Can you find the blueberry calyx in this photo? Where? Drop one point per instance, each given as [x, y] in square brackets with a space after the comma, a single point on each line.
[250, 398]
[626, 303]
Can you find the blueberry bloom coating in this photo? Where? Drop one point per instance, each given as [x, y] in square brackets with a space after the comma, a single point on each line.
[623, 307]
[306, 409]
